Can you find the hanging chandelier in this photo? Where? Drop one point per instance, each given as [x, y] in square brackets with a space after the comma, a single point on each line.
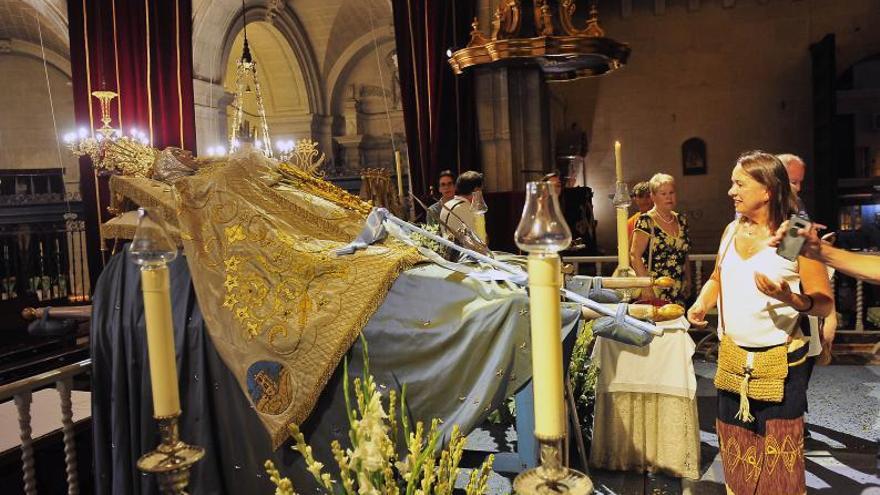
[108, 147]
[554, 43]
[245, 76]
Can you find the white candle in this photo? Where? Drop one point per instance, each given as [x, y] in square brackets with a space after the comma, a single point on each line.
[545, 279]
[399, 164]
[622, 239]
[160, 341]
[618, 163]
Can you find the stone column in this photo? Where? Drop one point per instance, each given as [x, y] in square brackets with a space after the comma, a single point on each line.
[211, 101]
[322, 130]
[350, 115]
[351, 154]
[514, 126]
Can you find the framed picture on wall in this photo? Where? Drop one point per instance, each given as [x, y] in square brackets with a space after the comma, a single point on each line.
[693, 156]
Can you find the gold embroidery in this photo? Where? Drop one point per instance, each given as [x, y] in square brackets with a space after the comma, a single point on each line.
[771, 453]
[753, 460]
[275, 393]
[731, 447]
[789, 453]
[260, 253]
[306, 182]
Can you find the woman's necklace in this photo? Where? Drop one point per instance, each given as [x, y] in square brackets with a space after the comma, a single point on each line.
[754, 237]
[660, 216]
[751, 229]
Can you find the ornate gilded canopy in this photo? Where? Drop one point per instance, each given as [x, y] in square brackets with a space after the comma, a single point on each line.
[549, 38]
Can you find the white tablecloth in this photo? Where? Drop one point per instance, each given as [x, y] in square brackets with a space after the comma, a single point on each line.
[662, 367]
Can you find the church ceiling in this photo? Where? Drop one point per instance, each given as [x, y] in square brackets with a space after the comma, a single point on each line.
[18, 20]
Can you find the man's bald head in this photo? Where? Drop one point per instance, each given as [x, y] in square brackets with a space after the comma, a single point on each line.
[796, 169]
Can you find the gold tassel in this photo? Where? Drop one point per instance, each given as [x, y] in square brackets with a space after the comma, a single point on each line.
[743, 414]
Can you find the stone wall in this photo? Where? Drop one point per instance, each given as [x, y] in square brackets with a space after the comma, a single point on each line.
[319, 72]
[739, 78]
[27, 136]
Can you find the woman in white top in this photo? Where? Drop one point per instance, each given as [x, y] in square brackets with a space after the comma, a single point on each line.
[761, 438]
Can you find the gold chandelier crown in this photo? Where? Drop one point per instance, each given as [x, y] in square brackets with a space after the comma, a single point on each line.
[306, 156]
[562, 50]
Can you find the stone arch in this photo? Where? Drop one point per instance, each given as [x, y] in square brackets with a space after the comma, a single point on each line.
[279, 73]
[54, 13]
[287, 23]
[28, 49]
[352, 54]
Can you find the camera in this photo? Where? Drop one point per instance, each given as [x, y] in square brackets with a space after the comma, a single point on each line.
[791, 244]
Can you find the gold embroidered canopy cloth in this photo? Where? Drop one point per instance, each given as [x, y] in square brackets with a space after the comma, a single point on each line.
[282, 309]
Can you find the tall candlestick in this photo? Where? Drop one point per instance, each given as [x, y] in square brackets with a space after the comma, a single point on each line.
[160, 340]
[618, 163]
[399, 164]
[480, 226]
[152, 249]
[622, 239]
[621, 203]
[542, 232]
[545, 280]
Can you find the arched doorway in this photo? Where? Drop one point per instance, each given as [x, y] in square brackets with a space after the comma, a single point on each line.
[282, 83]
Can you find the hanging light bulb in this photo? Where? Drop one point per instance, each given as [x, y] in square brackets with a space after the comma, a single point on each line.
[542, 227]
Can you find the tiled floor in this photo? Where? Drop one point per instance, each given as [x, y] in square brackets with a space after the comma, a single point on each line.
[842, 455]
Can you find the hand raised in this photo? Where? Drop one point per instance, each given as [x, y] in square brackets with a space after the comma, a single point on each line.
[697, 315]
[812, 243]
[780, 291]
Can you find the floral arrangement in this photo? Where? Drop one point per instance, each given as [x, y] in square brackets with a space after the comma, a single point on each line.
[371, 465]
[584, 376]
[429, 243]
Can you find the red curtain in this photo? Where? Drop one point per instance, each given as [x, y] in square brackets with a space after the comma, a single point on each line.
[438, 106]
[142, 50]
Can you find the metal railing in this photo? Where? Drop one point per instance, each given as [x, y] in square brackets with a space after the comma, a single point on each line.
[50, 262]
[22, 392]
[703, 264]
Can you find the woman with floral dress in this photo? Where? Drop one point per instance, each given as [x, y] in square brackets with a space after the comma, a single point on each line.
[646, 409]
[660, 242]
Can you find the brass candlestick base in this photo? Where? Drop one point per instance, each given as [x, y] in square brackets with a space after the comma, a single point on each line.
[172, 459]
[551, 477]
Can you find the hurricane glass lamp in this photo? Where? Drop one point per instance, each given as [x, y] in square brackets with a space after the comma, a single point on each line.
[152, 249]
[542, 232]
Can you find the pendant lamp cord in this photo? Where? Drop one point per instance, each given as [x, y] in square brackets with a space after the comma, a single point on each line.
[61, 164]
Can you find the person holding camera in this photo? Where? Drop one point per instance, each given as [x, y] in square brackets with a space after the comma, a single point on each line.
[761, 377]
[864, 267]
[822, 330]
